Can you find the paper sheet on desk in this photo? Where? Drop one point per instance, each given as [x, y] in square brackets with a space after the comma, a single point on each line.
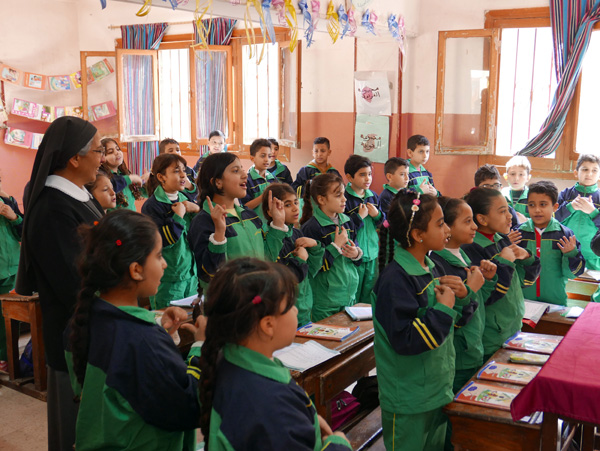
[573, 312]
[301, 357]
[185, 302]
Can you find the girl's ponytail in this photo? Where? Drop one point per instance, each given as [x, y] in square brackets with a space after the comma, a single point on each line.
[307, 210]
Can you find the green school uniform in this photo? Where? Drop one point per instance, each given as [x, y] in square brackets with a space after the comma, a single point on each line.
[520, 203]
[258, 188]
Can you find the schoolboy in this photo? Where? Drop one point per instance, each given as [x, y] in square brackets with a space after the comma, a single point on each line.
[420, 178]
[216, 144]
[488, 176]
[258, 176]
[169, 145]
[396, 173]
[277, 168]
[518, 173]
[555, 245]
[578, 206]
[318, 165]
[361, 206]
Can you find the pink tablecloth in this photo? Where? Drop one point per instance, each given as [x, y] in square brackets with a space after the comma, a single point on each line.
[569, 383]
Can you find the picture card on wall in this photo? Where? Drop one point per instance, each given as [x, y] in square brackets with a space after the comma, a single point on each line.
[372, 137]
[36, 140]
[10, 74]
[16, 137]
[372, 93]
[59, 82]
[102, 111]
[35, 81]
[25, 108]
[76, 79]
[76, 111]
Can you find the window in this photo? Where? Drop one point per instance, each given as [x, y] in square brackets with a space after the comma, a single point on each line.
[524, 93]
[173, 94]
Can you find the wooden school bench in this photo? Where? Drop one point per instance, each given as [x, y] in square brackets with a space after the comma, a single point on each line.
[26, 309]
[554, 323]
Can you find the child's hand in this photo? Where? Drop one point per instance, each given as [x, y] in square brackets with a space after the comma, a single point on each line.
[173, 318]
[521, 217]
[218, 215]
[488, 269]
[431, 190]
[198, 329]
[507, 253]
[373, 211]
[191, 207]
[135, 179]
[301, 253]
[276, 211]
[341, 237]
[455, 284]
[566, 245]
[304, 241]
[325, 428]
[514, 236]
[188, 184]
[179, 209]
[584, 204]
[363, 211]
[520, 253]
[8, 212]
[475, 279]
[350, 250]
[444, 295]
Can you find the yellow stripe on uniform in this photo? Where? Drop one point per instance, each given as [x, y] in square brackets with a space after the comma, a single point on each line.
[428, 333]
[421, 292]
[502, 286]
[194, 372]
[168, 235]
[422, 334]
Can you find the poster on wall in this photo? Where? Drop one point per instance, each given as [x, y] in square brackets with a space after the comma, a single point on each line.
[372, 137]
[372, 93]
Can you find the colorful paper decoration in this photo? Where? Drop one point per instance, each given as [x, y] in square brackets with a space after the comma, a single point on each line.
[32, 110]
[267, 27]
[16, 137]
[292, 23]
[333, 24]
[398, 32]
[368, 21]
[34, 81]
[343, 19]
[315, 6]
[279, 8]
[352, 22]
[372, 137]
[308, 22]
[10, 74]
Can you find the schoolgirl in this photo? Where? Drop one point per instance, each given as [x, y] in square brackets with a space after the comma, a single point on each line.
[302, 255]
[334, 286]
[103, 191]
[126, 185]
[172, 209]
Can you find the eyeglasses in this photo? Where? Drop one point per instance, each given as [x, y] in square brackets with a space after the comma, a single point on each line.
[493, 186]
[101, 152]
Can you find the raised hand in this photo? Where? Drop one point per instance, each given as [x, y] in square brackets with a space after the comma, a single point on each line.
[444, 295]
[475, 279]
[301, 252]
[363, 211]
[191, 207]
[514, 236]
[566, 245]
[488, 269]
[341, 237]
[218, 215]
[372, 209]
[520, 253]
[7, 212]
[276, 211]
[304, 241]
[179, 209]
[507, 253]
[455, 284]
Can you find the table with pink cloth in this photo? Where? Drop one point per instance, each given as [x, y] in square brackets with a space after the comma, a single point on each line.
[568, 385]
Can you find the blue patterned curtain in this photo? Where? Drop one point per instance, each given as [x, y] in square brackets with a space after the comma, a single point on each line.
[572, 22]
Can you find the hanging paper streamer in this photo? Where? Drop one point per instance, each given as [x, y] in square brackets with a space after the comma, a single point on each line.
[103, 3]
[292, 22]
[343, 19]
[315, 6]
[333, 24]
[267, 27]
[352, 22]
[250, 36]
[308, 23]
[145, 9]
[368, 22]
[279, 7]
[398, 32]
[202, 28]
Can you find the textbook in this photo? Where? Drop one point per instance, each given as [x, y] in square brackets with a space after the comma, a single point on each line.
[493, 396]
[523, 341]
[359, 313]
[300, 357]
[528, 358]
[507, 372]
[325, 331]
[534, 311]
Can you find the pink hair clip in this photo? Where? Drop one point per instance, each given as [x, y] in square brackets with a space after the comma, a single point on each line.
[118, 242]
[256, 300]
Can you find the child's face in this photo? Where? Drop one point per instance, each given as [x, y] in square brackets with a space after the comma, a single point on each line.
[262, 158]
[398, 179]
[172, 148]
[464, 229]
[233, 181]
[588, 173]
[540, 209]
[274, 152]
[491, 184]
[292, 209]
[418, 156]
[437, 233]
[517, 177]
[173, 179]
[114, 155]
[321, 153]
[285, 326]
[104, 193]
[362, 178]
[498, 218]
[216, 144]
[334, 202]
[152, 271]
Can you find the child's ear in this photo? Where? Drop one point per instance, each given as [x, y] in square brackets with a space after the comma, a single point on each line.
[388, 177]
[267, 326]
[409, 152]
[481, 219]
[136, 272]
[505, 176]
[555, 207]
[321, 200]
[416, 236]
[349, 178]
[575, 173]
[528, 177]
[160, 178]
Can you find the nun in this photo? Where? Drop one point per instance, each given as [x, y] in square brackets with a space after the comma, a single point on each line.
[56, 204]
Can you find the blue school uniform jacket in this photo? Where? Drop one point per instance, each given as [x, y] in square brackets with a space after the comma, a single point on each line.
[307, 173]
[282, 172]
[413, 337]
[386, 197]
[367, 237]
[10, 236]
[244, 238]
[257, 405]
[584, 226]
[557, 268]
[416, 177]
[505, 306]
[334, 287]
[138, 393]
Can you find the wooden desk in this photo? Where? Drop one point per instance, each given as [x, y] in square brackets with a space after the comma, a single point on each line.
[357, 358]
[553, 323]
[481, 428]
